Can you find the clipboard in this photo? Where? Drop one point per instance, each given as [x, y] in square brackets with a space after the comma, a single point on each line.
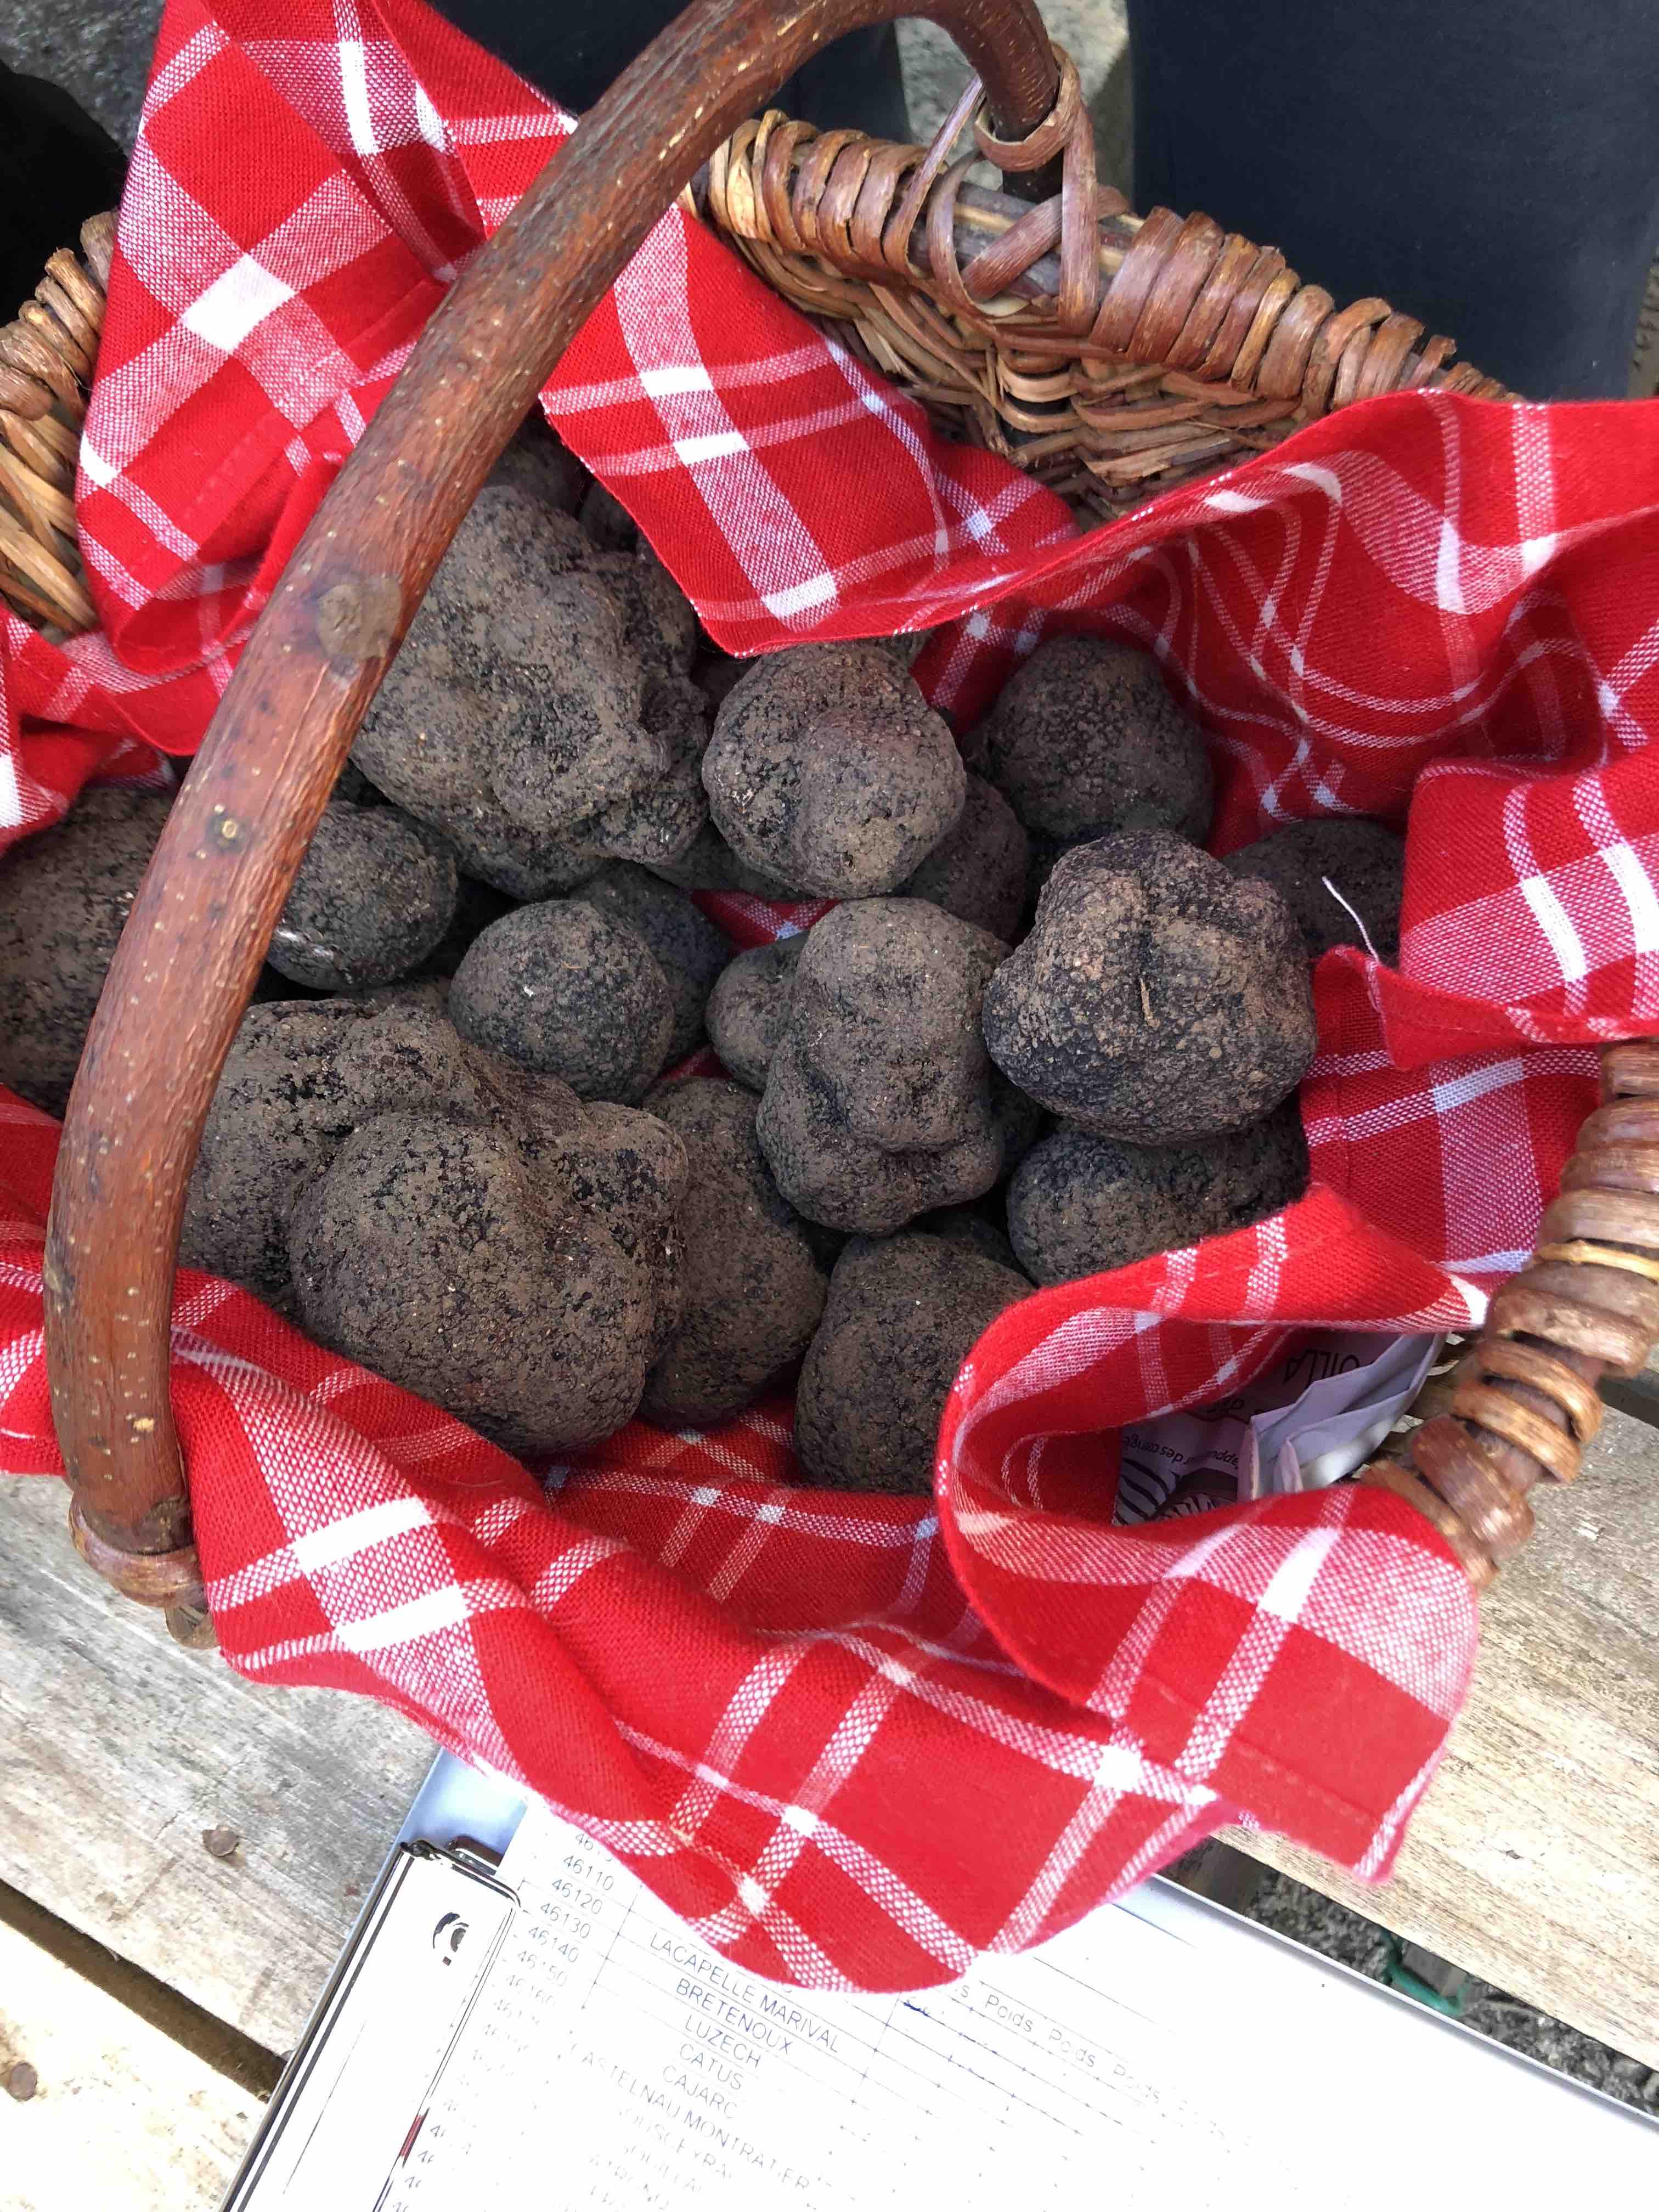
[516, 2017]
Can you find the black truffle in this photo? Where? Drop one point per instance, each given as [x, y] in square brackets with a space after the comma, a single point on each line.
[541, 711]
[1080, 1205]
[374, 896]
[1085, 740]
[687, 946]
[880, 1102]
[752, 1290]
[562, 990]
[1364, 861]
[903, 1314]
[749, 1007]
[1156, 998]
[64, 897]
[467, 1230]
[829, 772]
[978, 870]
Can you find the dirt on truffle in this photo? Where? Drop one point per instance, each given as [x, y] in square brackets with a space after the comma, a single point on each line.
[903, 1313]
[748, 1009]
[1079, 1204]
[374, 896]
[880, 1102]
[1085, 741]
[562, 990]
[687, 946]
[1364, 861]
[65, 894]
[829, 772]
[753, 1291]
[1157, 998]
[541, 713]
[978, 870]
[466, 1229]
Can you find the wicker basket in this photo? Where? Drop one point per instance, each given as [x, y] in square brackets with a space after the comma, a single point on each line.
[1113, 357]
[46, 361]
[1110, 355]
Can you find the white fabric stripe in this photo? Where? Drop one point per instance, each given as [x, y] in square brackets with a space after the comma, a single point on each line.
[343, 1540]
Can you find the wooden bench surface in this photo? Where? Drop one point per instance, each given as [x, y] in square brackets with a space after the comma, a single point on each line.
[1532, 1863]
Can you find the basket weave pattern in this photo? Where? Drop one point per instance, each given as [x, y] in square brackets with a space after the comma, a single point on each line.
[1113, 357]
[46, 360]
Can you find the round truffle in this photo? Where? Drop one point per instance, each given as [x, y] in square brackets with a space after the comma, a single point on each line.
[1362, 861]
[1085, 740]
[880, 1102]
[829, 772]
[1157, 998]
[752, 1290]
[903, 1313]
[749, 1007]
[562, 990]
[978, 870]
[687, 946]
[1080, 1205]
[374, 894]
[64, 897]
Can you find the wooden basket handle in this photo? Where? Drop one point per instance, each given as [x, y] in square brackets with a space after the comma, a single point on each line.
[191, 949]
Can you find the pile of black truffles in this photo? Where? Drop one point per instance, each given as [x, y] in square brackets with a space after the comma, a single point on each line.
[1042, 1033]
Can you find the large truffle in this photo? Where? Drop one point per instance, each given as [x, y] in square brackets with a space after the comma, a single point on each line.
[752, 1290]
[64, 897]
[1364, 861]
[902, 1314]
[829, 772]
[880, 1102]
[1156, 998]
[1085, 740]
[978, 870]
[541, 711]
[373, 897]
[749, 1007]
[562, 990]
[686, 944]
[1080, 1205]
[470, 1231]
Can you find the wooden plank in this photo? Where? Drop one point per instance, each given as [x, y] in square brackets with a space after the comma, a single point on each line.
[117, 1750]
[121, 2115]
[1532, 1861]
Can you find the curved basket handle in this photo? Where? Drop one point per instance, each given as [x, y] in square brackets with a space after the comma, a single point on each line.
[191, 949]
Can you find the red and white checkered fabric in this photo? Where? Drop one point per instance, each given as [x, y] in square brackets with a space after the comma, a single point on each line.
[856, 1740]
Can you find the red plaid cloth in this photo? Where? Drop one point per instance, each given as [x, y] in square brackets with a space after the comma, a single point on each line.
[856, 1740]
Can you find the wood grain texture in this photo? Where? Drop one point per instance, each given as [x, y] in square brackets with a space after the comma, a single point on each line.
[202, 917]
[121, 2118]
[117, 1750]
[1534, 1859]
